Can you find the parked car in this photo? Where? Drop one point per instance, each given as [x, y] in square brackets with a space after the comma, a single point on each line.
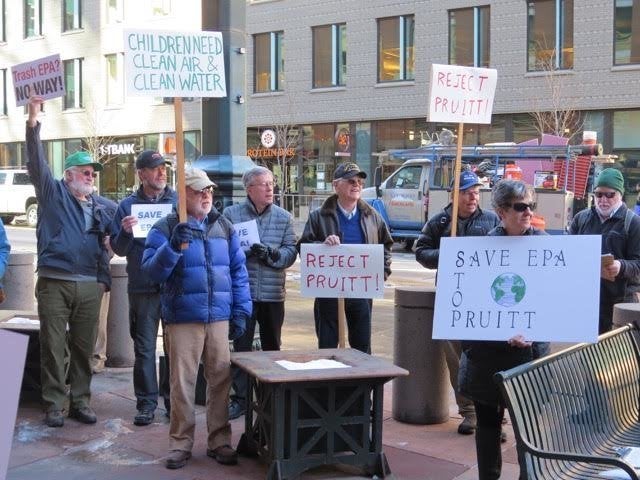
[17, 196]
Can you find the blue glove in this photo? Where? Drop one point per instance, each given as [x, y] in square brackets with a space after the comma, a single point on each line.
[181, 234]
[237, 327]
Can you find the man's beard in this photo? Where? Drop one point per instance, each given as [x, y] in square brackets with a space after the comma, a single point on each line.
[79, 187]
[609, 210]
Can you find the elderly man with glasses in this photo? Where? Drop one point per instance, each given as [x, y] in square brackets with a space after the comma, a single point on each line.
[345, 218]
[267, 261]
[73, 272]
[620, 230]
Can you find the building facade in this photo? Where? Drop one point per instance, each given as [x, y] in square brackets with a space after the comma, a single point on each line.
[352, 77]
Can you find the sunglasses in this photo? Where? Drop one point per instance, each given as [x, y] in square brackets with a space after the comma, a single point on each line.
[204, 191]
[354, 181]
[87, 173]
[521, 206]
[604, 194]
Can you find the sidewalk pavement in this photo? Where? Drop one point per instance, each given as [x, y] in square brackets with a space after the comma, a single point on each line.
[115, 448]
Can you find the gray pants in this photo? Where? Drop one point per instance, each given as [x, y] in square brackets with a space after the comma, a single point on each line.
[452, 352]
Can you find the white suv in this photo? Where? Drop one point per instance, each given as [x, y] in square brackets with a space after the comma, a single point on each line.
[17, 196]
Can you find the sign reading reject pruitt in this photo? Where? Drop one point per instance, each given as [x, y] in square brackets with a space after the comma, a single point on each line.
[174, 64]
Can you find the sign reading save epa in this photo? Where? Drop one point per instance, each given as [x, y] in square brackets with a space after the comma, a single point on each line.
[545, 288]
[174, 64]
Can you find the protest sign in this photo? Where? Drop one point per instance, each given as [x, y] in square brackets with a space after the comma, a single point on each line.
[43, 77]
[461, 94]
[174, 64]
[13, 353]
[247, 233]
[341, 271]
[545, 288]
[147, 215]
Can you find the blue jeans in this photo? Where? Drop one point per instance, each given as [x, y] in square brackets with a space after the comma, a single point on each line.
[358, 315]
[144, 317]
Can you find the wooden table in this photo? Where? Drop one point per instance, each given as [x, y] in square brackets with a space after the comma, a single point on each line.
[300, 419]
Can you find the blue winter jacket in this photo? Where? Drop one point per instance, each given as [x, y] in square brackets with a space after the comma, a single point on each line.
[207, 282]
[64, 243]
[5, 249]
[124, 243]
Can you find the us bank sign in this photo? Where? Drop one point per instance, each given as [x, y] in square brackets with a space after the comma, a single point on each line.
[118, 149]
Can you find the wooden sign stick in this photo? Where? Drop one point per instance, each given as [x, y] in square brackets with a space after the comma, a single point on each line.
[342, 324]
[456, 182]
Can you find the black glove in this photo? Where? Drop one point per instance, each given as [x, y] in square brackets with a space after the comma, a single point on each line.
[262, 252]
[181, 234]
[237, 327]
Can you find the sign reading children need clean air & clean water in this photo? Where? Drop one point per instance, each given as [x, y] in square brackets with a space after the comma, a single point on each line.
[174, 64]
[545, 288]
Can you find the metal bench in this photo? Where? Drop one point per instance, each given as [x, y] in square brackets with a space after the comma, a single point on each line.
[571, 410]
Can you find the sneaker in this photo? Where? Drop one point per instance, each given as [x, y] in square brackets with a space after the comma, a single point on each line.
[144, 417]
[224, 455]
[236, 409]
[177, 459]
[468, 424]
[54, 418]
[83, 414]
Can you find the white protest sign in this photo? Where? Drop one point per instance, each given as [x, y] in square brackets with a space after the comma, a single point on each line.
[342, 271]
[13, 352]
[174, 64]
[147, 215]
[546, 288]
[247, 233]
[43, 77]
[461, 94]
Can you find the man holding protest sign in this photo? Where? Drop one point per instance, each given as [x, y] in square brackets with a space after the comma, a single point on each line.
[73, 272]
[153, 200]
[472, 222]
[206, 302]
[268, 256]
[345, 218]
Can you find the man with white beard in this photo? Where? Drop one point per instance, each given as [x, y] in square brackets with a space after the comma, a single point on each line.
[73, 272]
[620, 230]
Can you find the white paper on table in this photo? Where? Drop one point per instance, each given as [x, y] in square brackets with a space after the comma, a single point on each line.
[147, 215]
[23, 321]
[631, 455]
[247, 233]
[319, 364]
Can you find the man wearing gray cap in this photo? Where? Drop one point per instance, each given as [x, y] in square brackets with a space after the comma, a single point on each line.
[144, 294]
[345, 218]
[205, 302]
[73, 272]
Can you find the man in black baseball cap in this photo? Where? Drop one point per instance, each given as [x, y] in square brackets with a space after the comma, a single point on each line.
[144, 295]
[348, 170]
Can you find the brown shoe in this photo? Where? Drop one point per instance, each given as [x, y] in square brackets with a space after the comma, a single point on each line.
[468, 424]
[224, 455]
[177, 459]
[83, 414]
[54, 418]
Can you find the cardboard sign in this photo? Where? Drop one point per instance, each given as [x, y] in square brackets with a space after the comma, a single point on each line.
[174, 64]
[147, 215]
[461, 94]
[546, 288]
[342, 271]
[13, 353]
[247, 233]
[43, 77]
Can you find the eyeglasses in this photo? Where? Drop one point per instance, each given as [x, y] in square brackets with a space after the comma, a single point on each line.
[204, 191]
[608, 195]
[354, 181]
[521, 206]
[87, 173]
[263, 184]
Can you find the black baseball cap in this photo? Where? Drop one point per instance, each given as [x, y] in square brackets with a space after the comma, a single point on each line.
[348, 170]
[149, 159]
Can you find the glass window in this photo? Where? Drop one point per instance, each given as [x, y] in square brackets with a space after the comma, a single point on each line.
[549, 35]
[396, 59]
[627, 32]
[115, 11]
[329, 55]
[3, 91]
[32, 18]
[115, 81]
[268, 62]
[626, 124]
[469, 37]
[406, 178]
[73, 83]
[71, 16]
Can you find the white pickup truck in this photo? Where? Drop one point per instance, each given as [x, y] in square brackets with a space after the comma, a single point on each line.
[17, 196]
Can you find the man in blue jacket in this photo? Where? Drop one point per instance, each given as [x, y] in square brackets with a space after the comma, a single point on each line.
[73, 272]
[5, 249]
[144, 294]
[205, 302]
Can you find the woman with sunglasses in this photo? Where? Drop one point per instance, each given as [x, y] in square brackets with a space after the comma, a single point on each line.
[620, 230]
[513, 201]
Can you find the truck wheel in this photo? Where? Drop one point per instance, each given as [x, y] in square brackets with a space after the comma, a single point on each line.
[32, 215]
[7, 219]
[408, 244]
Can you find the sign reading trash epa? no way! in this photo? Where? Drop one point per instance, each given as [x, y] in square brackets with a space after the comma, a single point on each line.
[174, 64]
